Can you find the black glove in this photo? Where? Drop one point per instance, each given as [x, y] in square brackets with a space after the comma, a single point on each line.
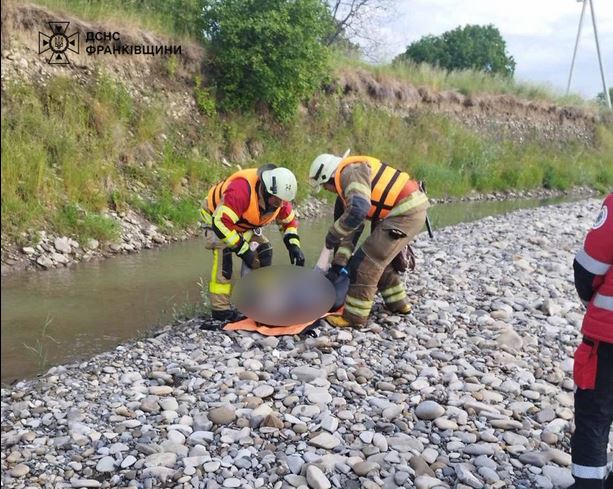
[296, 256]
[292, 243]
[249, 257]
[336, 271]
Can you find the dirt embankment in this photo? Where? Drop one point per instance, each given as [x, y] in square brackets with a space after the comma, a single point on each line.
[171, 80]
[501, 117]
[497, 116]
[144, 76]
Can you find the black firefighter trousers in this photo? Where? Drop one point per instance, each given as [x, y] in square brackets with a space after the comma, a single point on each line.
[593, 418]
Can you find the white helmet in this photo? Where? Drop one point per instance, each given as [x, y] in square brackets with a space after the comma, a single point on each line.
[280, 182]
[323, 168]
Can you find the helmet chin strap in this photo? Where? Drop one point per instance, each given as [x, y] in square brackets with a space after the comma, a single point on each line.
[273, 189]
[266, 195]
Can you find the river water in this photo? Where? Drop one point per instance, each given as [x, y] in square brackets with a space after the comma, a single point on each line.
[66, 315]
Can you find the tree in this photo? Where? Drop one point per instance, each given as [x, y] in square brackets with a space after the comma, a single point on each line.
[470, 47]
[601, 99]
[268, 51]
[353, 19]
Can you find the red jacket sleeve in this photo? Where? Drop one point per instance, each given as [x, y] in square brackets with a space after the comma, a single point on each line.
[234, 202]
[236, 198]
[287, 219]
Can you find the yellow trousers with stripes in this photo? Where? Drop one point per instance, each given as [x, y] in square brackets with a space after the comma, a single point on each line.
[371, 268]
[220, 283]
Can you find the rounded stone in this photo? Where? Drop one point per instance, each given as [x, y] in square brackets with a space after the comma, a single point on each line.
[19, 470]
[222, 415]
[429, 410]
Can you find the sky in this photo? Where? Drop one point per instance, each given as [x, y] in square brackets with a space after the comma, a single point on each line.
[540, 35]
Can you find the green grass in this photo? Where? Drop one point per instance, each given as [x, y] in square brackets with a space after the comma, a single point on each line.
[453, 159]
[175, 18]
[467, 82]
[168, 212]
[42, 346]
[70, 219]
[70, 152]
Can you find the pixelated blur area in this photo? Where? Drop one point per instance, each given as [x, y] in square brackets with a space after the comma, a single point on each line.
[282, 295]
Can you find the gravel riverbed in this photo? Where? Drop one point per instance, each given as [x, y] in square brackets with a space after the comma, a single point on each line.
[472, 390]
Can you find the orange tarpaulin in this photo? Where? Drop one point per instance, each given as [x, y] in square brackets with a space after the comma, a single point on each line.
[248, 324]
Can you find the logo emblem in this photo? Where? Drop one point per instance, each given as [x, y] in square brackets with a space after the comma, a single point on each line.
[602, 217]
[58, 43]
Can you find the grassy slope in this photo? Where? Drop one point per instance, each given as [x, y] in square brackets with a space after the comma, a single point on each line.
[467, 82]
[67, 158]
[169, 17]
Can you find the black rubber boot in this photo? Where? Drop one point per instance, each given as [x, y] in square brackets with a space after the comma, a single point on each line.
[227, 316]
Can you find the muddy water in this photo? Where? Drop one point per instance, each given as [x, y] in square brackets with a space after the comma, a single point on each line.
[65, 315]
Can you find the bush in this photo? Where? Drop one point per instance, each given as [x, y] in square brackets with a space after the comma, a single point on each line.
[267, 51]
[204, 100]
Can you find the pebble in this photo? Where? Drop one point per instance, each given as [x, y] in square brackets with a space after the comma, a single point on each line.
[19, 470]
[263, 391]
[469, 390]
[222, 415]
[559, 476]
[85, 483]
[307, 374]
[325, 440]
[106, 464]
[316, 478]
[160, 390]
[427, 482]
[363, 468]
[429, 410]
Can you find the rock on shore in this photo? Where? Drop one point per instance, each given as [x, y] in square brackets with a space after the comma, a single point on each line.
[471, 390]
[45, 251]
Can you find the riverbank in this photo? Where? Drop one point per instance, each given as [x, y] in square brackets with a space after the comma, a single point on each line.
[489, 346]
[43, 251]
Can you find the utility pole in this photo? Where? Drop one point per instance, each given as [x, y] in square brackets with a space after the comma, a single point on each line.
[600, 63]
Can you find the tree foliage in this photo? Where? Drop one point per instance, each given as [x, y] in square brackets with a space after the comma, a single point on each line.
[185, 16]
[471, 47]
[267, 51]
[601, 99]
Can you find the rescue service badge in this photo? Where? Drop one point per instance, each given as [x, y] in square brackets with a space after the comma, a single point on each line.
[602, 217]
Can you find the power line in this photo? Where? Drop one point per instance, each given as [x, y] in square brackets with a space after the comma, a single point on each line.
[600, 63]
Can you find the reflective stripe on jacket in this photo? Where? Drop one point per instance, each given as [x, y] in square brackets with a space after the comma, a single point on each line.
[389, 186]
[596, 257]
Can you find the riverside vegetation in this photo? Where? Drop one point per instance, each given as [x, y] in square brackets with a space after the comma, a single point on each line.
[75, 155]
[66, 158]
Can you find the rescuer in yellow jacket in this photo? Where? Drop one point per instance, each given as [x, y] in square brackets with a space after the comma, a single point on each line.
[369, 189]
[234, 212]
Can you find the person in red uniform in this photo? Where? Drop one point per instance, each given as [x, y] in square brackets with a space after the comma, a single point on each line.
[593, 367]
[234, 212]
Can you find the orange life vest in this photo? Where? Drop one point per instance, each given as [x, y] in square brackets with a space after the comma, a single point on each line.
[387, 185]
[252, 218]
